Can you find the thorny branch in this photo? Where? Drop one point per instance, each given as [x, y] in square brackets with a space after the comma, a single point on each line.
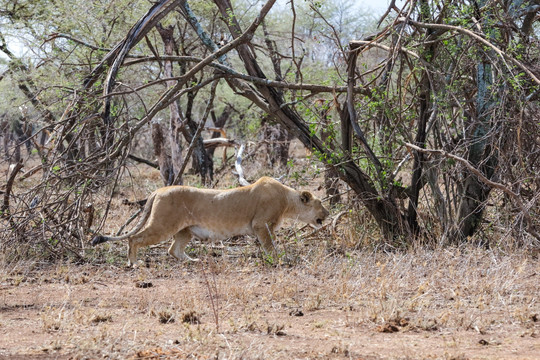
[517, 199]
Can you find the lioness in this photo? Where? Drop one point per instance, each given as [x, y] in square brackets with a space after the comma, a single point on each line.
[184, 212]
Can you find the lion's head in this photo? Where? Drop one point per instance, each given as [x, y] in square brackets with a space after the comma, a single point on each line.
[311, 209]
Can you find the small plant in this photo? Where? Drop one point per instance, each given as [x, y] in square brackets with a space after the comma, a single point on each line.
[165, 317]
[191, 317]
[101, 318]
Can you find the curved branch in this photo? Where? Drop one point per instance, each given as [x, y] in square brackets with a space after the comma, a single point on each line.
[229, 72]
[121, 49]
[137, 32]
[356, 44]
[476, 37]
[75, 40]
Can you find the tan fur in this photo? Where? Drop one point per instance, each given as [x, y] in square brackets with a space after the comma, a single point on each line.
[183, 212]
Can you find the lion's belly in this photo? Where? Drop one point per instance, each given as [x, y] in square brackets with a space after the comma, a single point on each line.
[218, 234]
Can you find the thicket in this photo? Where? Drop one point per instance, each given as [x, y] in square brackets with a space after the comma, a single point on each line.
[429, 115]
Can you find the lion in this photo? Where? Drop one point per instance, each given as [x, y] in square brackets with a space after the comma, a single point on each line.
[184, 212]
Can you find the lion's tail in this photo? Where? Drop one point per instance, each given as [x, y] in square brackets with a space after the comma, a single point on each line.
[146, 214]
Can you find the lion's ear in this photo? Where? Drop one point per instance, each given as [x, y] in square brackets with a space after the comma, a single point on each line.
[305, 197]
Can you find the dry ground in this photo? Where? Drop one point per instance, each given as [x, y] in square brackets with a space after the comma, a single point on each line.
[446, 304]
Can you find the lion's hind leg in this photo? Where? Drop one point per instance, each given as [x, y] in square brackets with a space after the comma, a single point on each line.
[177, 249]
[148, 236]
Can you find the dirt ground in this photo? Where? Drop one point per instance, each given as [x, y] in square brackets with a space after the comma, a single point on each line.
[446, 304]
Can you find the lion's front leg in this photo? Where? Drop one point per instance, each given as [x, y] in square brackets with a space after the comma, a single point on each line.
[265, 234]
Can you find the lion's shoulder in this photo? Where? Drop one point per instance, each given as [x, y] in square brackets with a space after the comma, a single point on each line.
[269, 182]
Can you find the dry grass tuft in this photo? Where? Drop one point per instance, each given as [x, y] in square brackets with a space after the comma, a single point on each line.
[101, 318]
[191, 317]
[165, 317]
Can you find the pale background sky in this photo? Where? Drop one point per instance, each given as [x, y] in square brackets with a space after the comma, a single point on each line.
[379, 6]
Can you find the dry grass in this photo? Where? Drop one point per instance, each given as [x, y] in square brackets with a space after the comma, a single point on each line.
[450, 303]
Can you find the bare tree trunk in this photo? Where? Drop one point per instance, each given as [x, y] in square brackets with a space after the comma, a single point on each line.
[175, 123]
[201, 161]
[277, 137]
[423, 116]
[219, 122]
[277, 143]
[21, 131]
[481, 155]
[164, 159]
[4, 129]
[331, 175]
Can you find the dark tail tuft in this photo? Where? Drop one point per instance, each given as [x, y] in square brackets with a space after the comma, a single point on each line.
[98, 240]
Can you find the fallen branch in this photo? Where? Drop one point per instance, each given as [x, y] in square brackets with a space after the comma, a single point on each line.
[215, 142]
[238, 166]
[143, 161]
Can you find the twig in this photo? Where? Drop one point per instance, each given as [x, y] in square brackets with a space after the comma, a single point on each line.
[229, 72]
[468, 165]
[75, 40]
[213, 294]
[357, 44]
[129, 221]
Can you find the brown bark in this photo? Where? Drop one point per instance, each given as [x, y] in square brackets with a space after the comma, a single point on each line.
[420, 139]
[175, 123]
[277, 142]
[164, 160]
[331, 175]
[219, 123]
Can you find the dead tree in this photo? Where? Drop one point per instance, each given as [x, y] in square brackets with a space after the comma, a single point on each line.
[175, 123]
